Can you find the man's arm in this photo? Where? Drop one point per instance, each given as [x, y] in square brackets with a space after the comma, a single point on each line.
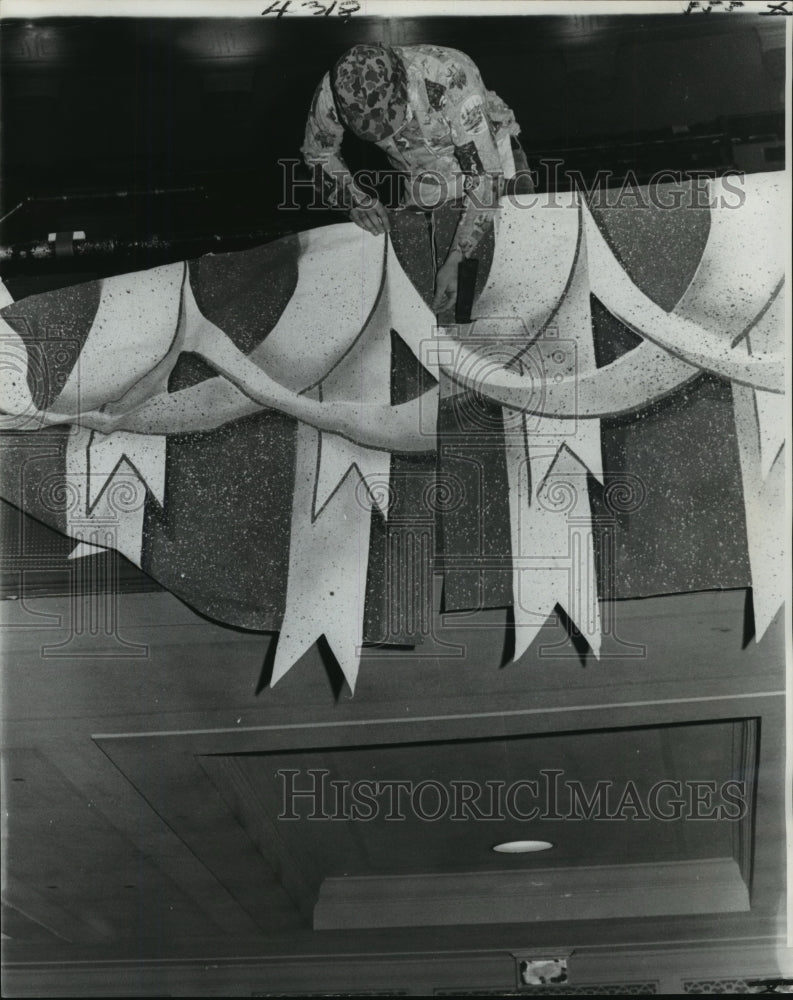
[501, 116]
[321, 148]
[477, 118]
[467, 110]
[322, 153]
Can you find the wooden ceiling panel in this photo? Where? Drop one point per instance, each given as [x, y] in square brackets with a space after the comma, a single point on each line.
[421, 832]
[70, 871]
[180, 760]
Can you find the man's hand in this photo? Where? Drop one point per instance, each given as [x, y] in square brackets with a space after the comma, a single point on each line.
[446, 283]
[374, 220]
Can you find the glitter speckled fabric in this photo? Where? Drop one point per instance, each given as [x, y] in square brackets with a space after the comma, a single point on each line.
[688, 533]
[221, 540]
[54, 327]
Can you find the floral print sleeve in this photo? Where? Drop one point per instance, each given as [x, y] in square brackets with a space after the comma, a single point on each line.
[501, 116]
[467, 108]
[321, 151]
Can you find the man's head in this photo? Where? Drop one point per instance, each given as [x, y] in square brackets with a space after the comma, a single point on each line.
[370, 87]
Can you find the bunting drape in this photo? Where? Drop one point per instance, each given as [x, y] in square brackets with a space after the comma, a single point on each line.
[304, 328]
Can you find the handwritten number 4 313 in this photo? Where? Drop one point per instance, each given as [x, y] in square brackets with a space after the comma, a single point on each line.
[345, 9]
[706, 6]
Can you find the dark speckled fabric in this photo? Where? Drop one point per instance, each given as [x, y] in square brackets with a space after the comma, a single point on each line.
[689, 533]
[222, 540]
[54, 326]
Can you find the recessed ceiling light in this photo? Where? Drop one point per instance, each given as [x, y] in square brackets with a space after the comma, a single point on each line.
[522, 846]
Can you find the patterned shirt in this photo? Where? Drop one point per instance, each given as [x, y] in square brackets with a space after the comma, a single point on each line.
[453, 146]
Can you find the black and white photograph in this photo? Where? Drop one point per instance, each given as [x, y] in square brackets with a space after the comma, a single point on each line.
[394, 497]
